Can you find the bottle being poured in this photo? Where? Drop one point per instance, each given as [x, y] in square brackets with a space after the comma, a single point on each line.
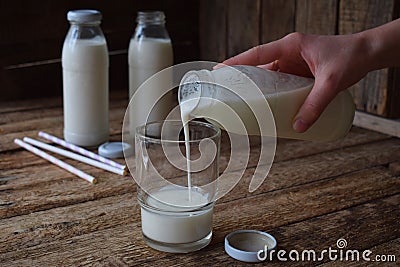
[265, 101]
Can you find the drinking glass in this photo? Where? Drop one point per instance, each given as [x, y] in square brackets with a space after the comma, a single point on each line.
[177, 192]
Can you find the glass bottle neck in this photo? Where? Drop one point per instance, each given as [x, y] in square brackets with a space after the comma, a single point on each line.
[86, 30]
[151, 17]
[85, 24]
[197, 88]
[151, 25]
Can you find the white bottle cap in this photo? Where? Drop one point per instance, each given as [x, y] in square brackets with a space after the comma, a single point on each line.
[249, 245]
[114, 150]
[84, 15]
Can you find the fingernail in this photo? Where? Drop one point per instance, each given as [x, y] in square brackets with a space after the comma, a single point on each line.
[300, 126]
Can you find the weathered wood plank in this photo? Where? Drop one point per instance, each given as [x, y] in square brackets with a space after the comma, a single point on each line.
[320, 166]
[393, 110]
[287, 209]
[316, 17]
[315, 201]
[31, 104]
[52, 125]
[73, 220]
[36, 34]
[53, 102]
[17, 188]
[32, 39]
[289, 149]
[55, 187]
[7, 143]
[375, 123]
[212, 30]
[26, 117]
[277, 19]
[394, 168]
[243, 24]
[378, 92]
[353, 225]
[45, 78]
[285, 151]
[31, 168]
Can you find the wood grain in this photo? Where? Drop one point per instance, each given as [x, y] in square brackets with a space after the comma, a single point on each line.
[314, 194]
[316, 17]
[243, 24]
[31, 39]
[124, 240]
[375, 123]
[18, 186]
[277, 19]
[213, 29]
[394, 168]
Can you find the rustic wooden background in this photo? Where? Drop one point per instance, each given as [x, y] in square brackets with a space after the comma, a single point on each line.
[32, 35]
[31, 38]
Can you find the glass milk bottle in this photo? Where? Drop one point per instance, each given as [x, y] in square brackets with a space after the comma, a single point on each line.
[85, 80]
[150, 51]
[207, 94]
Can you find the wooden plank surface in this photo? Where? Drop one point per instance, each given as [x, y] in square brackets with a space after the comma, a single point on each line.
[277, 19]
[243, 24]
[70, 234]
[212, 30]
[316, 17]
[314, 194]
[375, 123]
[31, 39]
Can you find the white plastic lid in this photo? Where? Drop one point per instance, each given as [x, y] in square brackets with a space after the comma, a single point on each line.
[114, 149]
[84, 15]
[245, 245]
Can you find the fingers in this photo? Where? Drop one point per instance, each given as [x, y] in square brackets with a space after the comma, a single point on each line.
[258, 55]
[321, 95]
[274, 66]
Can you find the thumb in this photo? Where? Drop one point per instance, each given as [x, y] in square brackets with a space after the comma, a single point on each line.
[322, 93]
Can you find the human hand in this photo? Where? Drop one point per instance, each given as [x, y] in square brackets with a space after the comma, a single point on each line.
[336, 63]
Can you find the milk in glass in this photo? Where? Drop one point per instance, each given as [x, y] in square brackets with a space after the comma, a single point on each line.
[177, 226]
[176, 207]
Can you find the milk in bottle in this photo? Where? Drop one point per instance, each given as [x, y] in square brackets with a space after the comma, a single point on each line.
[85, 80]
[150, 51]
[206, 94]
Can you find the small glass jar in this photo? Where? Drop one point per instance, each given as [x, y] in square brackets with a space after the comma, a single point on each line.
[85, 80]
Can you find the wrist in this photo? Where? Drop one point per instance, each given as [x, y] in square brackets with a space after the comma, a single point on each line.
[370, 49]
[382, 45]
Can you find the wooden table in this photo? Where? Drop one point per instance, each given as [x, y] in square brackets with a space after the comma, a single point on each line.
[315, 194]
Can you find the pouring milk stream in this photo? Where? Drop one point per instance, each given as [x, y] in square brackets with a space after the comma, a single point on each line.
[204, 94]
